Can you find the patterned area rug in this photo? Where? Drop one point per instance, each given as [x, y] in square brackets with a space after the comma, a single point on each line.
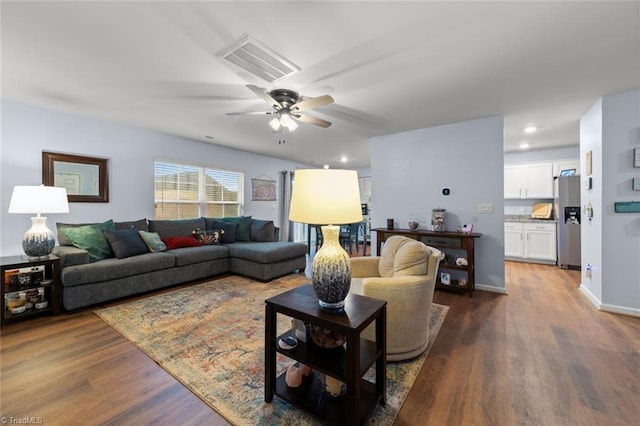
[210, 337]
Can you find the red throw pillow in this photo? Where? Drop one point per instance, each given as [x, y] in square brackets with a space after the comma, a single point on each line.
[179, 242]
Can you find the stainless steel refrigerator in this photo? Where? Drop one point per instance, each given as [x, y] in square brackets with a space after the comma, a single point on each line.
[567, 209]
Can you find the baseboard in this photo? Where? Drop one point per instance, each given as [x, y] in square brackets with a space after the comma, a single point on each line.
[491, 288]
[615, 309]
[593, 299]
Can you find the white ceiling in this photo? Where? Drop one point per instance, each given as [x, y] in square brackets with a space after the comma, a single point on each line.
[390, 66]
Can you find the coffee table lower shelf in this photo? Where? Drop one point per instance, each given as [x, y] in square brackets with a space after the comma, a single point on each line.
[310, 398]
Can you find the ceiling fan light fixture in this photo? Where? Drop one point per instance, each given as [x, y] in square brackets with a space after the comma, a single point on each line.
[275, 123]
[291, 125]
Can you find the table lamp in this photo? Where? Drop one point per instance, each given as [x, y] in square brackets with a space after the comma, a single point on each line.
[38, 240]
[328, 197]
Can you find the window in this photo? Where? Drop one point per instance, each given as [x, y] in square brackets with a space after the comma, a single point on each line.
[183, 191]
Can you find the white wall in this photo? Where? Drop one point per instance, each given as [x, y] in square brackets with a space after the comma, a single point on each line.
[548, 155]
[591, 231]
[410, 169]
[611, 242]
[28, 130]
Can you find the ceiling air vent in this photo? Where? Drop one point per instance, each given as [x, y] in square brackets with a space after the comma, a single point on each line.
[258, 59]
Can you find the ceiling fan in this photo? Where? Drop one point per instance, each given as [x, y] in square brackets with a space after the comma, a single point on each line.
[288, 107]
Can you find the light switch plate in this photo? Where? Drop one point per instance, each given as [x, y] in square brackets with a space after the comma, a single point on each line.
[485, 208]
[636, 184]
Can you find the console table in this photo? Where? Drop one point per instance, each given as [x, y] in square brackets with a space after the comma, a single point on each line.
[452, 244]
[348, 365]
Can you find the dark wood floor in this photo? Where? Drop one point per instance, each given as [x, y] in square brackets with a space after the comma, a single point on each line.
[541, 355]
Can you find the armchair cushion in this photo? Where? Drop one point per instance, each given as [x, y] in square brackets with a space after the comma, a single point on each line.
[403, 256]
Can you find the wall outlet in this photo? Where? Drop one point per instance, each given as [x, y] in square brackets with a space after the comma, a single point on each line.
[636, 184]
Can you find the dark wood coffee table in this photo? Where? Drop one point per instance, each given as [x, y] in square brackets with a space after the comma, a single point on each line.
[347, 364]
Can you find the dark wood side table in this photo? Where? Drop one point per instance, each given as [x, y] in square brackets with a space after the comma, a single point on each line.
[452, 244]
[345, 364]
[19, 274]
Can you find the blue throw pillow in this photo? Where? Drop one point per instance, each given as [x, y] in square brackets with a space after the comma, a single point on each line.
[125, 242]
[243, 233]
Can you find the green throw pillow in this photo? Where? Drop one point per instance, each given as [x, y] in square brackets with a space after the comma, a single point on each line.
[243, 232]
[91, 239]
[153, 241]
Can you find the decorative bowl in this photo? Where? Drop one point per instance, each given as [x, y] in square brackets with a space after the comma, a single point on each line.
[18, 309]
[326, 338]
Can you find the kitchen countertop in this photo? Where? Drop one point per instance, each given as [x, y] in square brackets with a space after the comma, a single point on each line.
[525, 218]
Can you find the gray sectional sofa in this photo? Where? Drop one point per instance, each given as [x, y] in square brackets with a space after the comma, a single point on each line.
[257, 254]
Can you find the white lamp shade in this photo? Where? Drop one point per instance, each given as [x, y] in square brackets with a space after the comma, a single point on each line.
[39, 199]
[325, 197]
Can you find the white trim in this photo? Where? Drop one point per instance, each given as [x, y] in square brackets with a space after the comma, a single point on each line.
[620, 310]
[594, 300]
[491, 288]
[615, 309]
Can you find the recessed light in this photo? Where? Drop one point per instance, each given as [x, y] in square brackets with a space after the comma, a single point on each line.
[524, 145]
[530, 129]
[343, 158]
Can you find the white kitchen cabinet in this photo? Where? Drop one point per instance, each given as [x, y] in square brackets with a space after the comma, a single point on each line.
[540, 241]
[530, 242]
[513, 239]
[533, 180]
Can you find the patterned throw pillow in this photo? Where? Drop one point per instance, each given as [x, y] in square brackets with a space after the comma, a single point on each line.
[91, 239]
[153, 241]
[179, 242]
[205, 238]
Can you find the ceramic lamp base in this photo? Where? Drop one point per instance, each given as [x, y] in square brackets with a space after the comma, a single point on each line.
[331, 271]
[39, 240]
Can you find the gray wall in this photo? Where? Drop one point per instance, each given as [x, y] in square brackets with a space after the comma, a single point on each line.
[27, 130]
[611, 241]
[410, 169]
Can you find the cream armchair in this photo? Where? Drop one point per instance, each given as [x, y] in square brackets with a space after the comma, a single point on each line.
[405, 277]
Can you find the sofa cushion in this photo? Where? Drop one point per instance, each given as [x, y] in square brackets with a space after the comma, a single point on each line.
[138, 225]
[112, 269]
[269, 252]
[262, 230]
[191, 255]
[207, 238]
[180, 242]
[153, 241]
[91, 239]
[176, 228]
[243, 232]
[125, 242]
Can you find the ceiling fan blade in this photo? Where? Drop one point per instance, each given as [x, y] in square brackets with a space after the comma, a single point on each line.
[264, 95]
[311, 120]
[312, 103]
[251, 113]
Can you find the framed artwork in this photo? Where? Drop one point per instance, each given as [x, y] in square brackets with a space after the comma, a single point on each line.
[85, 178]
[263, 190]
[445, 278]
